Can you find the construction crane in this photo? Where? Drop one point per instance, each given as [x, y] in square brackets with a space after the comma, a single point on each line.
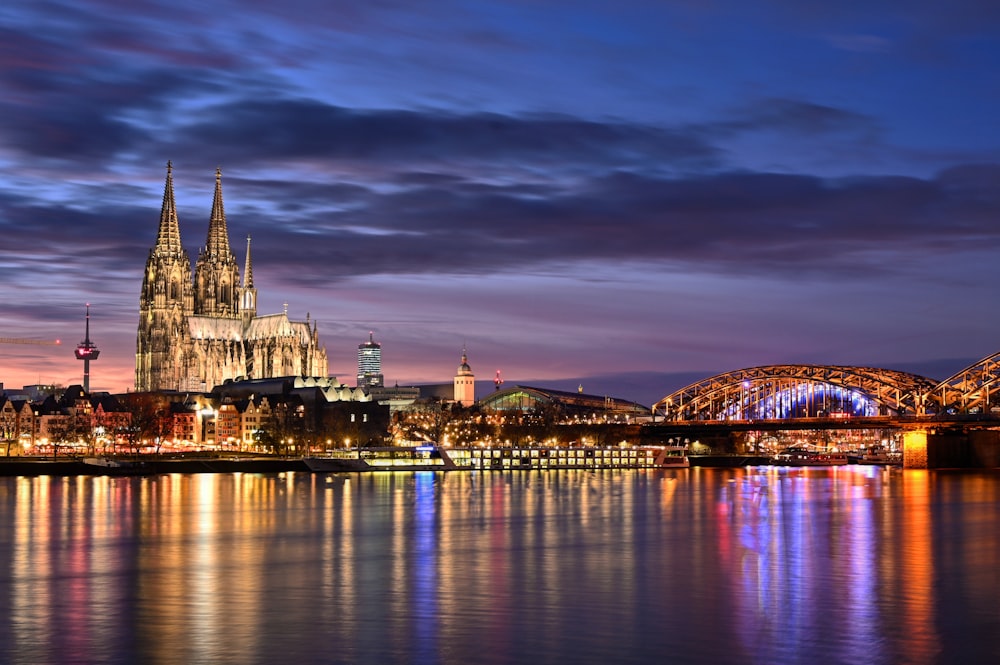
[27, 340]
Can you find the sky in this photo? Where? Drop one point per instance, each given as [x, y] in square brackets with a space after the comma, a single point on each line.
[624, 195]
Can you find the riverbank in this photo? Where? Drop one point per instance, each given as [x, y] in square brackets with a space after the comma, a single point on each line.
[152, 465]
[20, 466]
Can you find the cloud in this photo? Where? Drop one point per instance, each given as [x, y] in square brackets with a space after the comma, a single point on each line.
[252, 131]
[861, 43]
[450, 221]
[796, 117]
[726, 223]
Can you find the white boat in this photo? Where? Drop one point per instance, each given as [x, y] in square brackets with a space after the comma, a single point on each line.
[674, 457]
[554, 457]
[500, 458]
[393, 458]
[876, 456]
[116, 466]
[802, 457]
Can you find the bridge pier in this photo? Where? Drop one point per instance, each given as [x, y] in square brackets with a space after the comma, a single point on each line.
[941, 448]
[915, 449]
[927, 444]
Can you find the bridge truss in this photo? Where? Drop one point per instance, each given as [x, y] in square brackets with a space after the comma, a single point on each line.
[799, 391]
[974, 390]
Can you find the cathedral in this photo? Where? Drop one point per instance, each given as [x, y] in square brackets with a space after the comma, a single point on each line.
[195, 335]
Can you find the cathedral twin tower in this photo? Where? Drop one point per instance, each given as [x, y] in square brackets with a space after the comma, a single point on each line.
[195, 335]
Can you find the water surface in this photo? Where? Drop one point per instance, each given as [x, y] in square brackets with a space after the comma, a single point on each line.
[759, 565]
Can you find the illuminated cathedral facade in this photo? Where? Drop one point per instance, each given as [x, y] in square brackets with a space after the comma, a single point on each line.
[195, 334]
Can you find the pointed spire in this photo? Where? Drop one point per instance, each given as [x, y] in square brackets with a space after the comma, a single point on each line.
[218, 234]
[247, 268]
[168, 237]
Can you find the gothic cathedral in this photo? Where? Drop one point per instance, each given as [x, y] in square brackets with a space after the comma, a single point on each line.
[195, 336]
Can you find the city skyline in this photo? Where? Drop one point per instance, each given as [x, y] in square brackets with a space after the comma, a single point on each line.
[569, 190]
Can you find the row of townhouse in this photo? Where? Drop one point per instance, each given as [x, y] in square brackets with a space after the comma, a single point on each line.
[72, 417]
[279, 414]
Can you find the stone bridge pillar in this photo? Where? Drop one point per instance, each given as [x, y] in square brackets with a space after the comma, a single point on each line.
[915, 449]
[951, 448]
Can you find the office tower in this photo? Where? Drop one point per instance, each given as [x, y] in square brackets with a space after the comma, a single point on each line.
[370, 363]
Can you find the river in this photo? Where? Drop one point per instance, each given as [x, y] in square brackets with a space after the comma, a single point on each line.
[757, 565]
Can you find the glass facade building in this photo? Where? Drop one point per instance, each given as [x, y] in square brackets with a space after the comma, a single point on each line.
[370, 363]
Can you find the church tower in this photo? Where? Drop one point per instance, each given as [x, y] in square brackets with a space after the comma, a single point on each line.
[465, 383]
[196, 335]
[216, 274]
[248, 294]
[165, 301]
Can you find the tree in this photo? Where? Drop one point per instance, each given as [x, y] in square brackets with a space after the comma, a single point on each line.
[147, 418]
[8, 434]
[61, 429]
[286, 425]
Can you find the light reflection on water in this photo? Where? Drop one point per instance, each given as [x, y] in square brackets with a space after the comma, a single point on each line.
[760, 565]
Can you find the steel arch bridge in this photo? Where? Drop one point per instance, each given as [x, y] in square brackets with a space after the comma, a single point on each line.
[777, 392]
[974, 390]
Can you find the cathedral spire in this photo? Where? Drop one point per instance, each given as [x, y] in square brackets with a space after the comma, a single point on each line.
[165, 299]
[218, 234]
[248, 294]
[216, 274]
[168, 238]
[248, 269]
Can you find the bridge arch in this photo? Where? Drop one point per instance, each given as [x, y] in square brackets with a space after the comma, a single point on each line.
[772, 392]
[974, 390]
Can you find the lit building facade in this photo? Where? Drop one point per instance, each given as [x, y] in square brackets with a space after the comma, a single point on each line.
[568, 406]
[196, 334]
[465, 383]
[370, 363]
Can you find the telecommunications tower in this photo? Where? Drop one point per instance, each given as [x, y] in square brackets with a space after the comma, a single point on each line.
[86, 351]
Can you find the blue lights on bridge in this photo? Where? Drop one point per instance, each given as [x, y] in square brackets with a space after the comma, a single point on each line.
[800, 400]
[788, 392]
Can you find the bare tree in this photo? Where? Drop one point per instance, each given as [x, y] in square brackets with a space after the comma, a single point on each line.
[147, 419]
[285, 426]
[63, 428]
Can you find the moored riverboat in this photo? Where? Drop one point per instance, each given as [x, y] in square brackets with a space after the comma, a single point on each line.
[878, 456]
[500, 458]
[803, 457]
[390, 458]
[585, 457]
[113, 466]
